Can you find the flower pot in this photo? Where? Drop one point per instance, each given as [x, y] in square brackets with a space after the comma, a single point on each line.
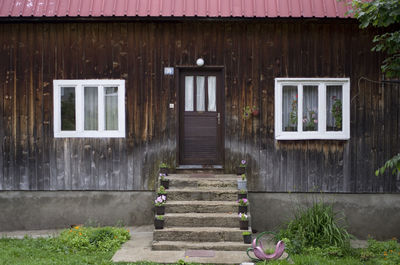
[330, 129]
[164, 170]
[244, 225]
[159, 194]
[158, 224]
[290, 129]
[160, 210]
[165, 183]
[242, 209]
[242, 184]
[247, 239]
[240, 170]
[242, 196]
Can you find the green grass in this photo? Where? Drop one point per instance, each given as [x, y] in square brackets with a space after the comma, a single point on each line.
[56, 251]
[42, 251]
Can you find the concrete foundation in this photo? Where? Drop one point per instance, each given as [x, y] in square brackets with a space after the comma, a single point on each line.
[29, 210]
[377, 215]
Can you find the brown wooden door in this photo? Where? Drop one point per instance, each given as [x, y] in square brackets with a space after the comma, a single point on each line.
[201, 117]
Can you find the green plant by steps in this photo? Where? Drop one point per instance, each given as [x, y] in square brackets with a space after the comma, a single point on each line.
[243, 217]
[243, 163]
[317, 226]
[243, 176]
[161, 190]
[242, 191]
[243, 202]
[337, 112]
[162, 176]
[160, 200]
[160, 217]
[164, 165]
[246, 233]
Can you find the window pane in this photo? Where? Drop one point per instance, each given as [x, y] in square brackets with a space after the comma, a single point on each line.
[310, 108]
[200, 94]
[188, 93]
[68, 108]
[289, 109]
[334, 108]
[212, 93]
[91, 108]
[111, 108]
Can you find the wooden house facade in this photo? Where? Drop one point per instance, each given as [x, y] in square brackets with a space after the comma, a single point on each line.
[155, 58]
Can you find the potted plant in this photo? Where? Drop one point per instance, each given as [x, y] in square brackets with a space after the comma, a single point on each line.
[243, 221]
[164, 168]
[255, 111]
[159, 222]
[246, 237]
[159, 203]
[246, 112]
[162, 192]
[310, 122]
[293, 117]
[242, 182]
[241, 169]
[243, 203]
[164, 181]
[337, 113]
[242, 194]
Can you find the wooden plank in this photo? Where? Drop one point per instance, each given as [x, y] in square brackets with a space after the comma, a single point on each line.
[8, 109]
[25, 51]
[3, 71]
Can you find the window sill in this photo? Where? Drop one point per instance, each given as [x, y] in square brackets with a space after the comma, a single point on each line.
[93, 134]
[312, 136]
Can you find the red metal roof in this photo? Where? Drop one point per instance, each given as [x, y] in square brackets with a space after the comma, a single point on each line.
[173, 8]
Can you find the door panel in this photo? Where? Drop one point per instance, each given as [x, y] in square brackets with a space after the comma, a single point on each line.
[201, 117]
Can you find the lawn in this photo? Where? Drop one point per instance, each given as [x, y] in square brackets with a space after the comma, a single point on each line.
[79, 245]
[53, 251]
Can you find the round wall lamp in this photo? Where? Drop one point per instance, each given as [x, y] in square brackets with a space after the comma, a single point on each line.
[200, 62]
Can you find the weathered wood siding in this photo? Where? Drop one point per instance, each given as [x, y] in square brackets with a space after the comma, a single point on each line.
[252, 53]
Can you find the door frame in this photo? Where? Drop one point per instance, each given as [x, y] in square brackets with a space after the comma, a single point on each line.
[180, 69]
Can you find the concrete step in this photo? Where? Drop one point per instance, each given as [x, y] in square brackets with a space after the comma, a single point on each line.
[199, 234]
[201, 207]
[216, 246]
[209, 194]
[202, 181]
[193, 169]
[201, 220]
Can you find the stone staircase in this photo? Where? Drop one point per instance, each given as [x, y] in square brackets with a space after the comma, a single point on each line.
[201, 213]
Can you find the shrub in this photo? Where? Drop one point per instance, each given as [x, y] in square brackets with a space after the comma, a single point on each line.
[382, 252]
[316, 226]
[90, 239]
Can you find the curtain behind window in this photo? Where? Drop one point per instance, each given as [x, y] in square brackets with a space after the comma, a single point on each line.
[289, 108]
[111, 108]
[212, 93]
[91, 108]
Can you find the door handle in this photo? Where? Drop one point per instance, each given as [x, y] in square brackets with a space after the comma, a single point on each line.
[219, 118]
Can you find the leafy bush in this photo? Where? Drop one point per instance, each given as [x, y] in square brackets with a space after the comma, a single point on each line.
[382, 252]
[90, 239]
[317, 226]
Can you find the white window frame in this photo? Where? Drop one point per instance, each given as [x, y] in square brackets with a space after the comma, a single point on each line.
[79, 108]
[321, 133]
